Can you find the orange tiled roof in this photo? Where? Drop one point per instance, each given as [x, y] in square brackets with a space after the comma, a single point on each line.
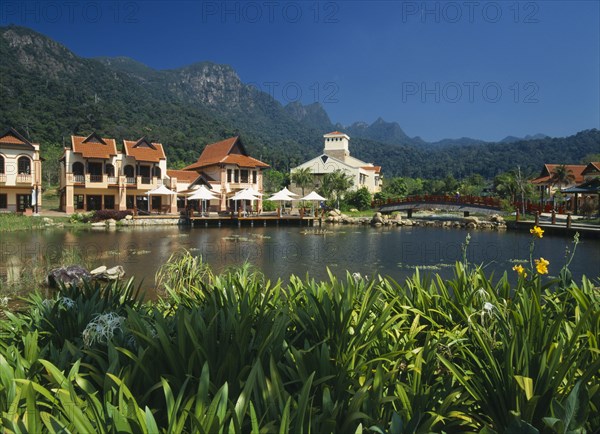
[548, 171]
[334, 132]
[375, 168]
[183, 175]
[221, 153]
[144, 150]
[93, 146]
[593, 167]
[12, 137]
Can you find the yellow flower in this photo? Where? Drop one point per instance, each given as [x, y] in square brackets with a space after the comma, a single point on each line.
[537, 231]
[519, 269]
[541, 265]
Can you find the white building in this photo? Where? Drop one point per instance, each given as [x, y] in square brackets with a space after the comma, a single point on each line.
[336, 155]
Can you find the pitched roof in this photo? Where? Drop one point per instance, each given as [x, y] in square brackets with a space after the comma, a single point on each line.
[228, 151]
[593, 167]
[377, 169]
[144, 150]
[183, 175]
[94, 146]
[12, 137]
[548, 171]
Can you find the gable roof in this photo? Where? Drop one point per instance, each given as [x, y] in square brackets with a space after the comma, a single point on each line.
[228, 151]
[144, 150]
[94, 146]
[12, 137]
[593, 167]
[548, 171]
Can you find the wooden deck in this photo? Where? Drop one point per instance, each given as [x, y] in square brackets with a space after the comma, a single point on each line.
[255, 220]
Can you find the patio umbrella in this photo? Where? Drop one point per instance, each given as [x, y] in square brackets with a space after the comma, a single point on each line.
[313, 196]
[202, 194]
[160, 191]
[244, 195]
[282, 195]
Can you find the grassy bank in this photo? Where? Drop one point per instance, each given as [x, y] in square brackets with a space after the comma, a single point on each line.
[237, 353]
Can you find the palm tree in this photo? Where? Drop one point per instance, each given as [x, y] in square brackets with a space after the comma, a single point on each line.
[561, 175]
[337, 183]
[302, 178]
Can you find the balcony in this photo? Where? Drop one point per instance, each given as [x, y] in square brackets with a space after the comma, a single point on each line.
[113, 180]
[96, 178]
[79, 179]
[130, 180]
[146, 180]
[2, 178]
[24, 178]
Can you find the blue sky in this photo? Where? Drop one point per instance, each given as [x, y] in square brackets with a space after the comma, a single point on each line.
[441, 69]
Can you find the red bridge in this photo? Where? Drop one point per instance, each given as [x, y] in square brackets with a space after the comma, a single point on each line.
[465, 204]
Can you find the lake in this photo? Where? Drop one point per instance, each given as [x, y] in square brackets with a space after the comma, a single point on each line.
[285, 250]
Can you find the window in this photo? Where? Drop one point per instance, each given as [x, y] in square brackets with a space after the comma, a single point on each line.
[110, 170]
[2, 165]
[254, 177]
[237, 176]
[3, 201]
[244, 174]
[129, 171]
[229, 175]
[156, 172]
[109, 202]
[78, 201]
[78, 168]
[130, 202]
[94, 202]
[24, 165]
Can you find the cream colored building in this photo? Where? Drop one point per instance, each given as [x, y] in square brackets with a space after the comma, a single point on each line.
[95, 175]
[20, 174]
[336, 156]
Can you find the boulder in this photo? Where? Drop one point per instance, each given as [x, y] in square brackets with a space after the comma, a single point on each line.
[471, 219]
[408, 222]
[98, 225]
[377, 218]
[111, 222]
[128, 217]
[497, 218]
[73, 274]
[471, 225]
[103, 273]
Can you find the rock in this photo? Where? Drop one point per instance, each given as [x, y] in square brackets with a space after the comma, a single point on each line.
[408, 222]
[497, 218]
[377, 218]
[98, 225]
[471, 219]
[471, 225]
[128, 217]
[111, 222]
[353, 210]
[113, 273]
[47, 221]
[73, 274]
[101, 269]
[397, 217]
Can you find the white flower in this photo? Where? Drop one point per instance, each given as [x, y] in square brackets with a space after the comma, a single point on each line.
[488, 307]
[48, 303]
[67, 302]
[4, 301]
[102, 328]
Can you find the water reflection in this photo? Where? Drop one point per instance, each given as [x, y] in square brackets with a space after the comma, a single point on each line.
[282, 251]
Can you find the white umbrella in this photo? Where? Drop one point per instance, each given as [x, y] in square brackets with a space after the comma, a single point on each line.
[202, 194]
[160, 191]
[282, 196]
[243, 195]
[313, 196]
[254, 192]
[286, 191]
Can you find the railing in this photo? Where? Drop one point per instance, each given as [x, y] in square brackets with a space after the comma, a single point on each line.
[2, 177]
[80, 179]
[112, 180]
[130, 180]
[24, 178]
[490, 202]
[159, 181]
[95, 178]
[146, 180]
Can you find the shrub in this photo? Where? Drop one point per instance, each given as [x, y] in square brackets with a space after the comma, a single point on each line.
[107, 214]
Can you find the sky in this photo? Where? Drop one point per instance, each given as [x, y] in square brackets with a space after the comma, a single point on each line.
[441, 69]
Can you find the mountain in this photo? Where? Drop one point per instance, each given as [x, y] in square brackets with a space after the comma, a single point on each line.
[512, 139]
[49, 93]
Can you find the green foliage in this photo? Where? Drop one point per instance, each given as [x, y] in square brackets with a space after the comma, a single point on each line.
[335, 185]
[273, 180]
[303, 178]
[359, 199]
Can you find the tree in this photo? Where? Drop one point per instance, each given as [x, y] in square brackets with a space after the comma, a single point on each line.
[335, 184]
[273, 180]
[562, 175]
[51, 153]
[360, 199]
[395, 188]
[302, 178]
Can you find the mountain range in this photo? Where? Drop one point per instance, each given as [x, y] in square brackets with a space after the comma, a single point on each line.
[48, 93]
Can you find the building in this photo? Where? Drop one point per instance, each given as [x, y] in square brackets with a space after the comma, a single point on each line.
[95, 175]
[20, 174]
[336, 156]
[546, 182]
[226, 168]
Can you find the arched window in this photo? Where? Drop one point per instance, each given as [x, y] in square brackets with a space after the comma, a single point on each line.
[156, 171]
[78, 168]
[129, 171]
[2, 171]
[110, 170]
[24, 165]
